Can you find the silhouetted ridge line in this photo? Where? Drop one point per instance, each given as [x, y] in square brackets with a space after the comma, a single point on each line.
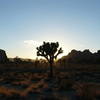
[82, 57]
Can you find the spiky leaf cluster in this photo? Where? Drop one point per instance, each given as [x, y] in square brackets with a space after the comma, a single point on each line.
[49, 50]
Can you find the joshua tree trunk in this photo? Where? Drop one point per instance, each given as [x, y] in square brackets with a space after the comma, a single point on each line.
[51, 67]
[51, 70]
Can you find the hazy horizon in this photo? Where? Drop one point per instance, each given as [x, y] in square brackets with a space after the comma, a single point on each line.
[25, 24]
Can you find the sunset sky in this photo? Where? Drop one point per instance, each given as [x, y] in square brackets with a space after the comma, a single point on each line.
[25, 24]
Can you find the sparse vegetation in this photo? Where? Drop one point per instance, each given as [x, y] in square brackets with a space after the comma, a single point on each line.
[27, 79]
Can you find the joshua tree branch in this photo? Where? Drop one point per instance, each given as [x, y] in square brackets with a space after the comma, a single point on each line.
[59, 52]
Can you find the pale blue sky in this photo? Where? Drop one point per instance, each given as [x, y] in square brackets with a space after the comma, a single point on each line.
[75, 24]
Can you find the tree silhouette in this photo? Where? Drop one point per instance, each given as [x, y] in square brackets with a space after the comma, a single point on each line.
[50, 51]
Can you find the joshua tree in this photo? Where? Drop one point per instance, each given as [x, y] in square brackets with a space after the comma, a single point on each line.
[50, 51]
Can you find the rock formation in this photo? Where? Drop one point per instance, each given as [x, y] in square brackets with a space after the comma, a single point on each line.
[81, 57]
[3, 56]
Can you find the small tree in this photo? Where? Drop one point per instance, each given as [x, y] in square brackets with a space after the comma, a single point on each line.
[50, 51]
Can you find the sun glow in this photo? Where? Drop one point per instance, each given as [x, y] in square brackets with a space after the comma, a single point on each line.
[31, 45]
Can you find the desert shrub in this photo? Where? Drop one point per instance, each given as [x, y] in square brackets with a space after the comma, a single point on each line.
[66, 84]
[52, 97]
[85, 92]
[13, 97]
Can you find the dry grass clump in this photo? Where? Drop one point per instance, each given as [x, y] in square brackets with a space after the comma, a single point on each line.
[11, 93]
[87, 91]
[24, 83]
[66, 84]
[8, 92]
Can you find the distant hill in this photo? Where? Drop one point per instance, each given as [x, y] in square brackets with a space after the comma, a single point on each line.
[82, 57]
